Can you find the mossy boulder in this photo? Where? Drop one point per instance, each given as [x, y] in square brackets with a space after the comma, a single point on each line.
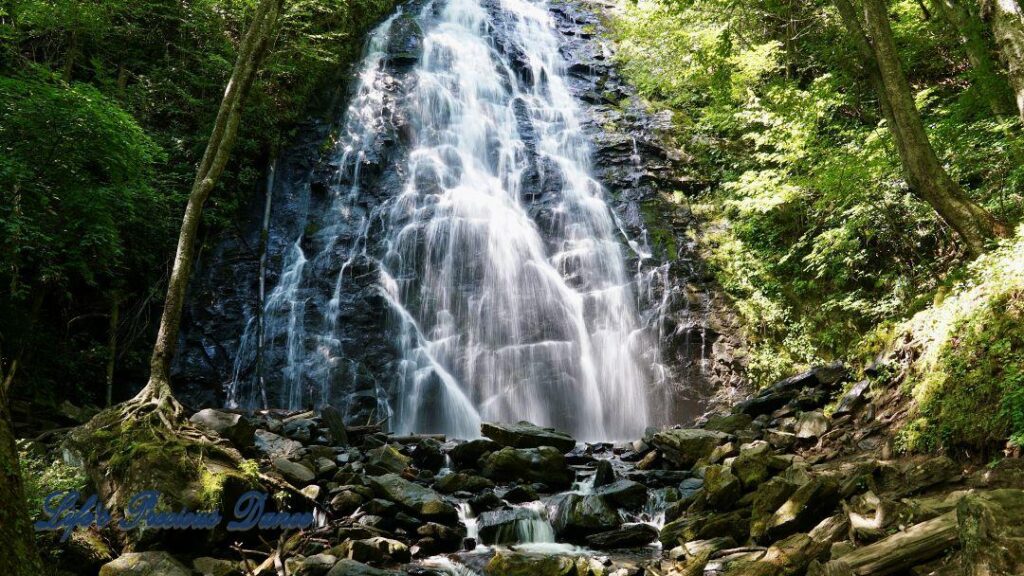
[756, 464]
[385, 459]
[461, 482]
[685, 446]
[467, 454]
[520, 564]
[145, 564]
[545, 464]
[123, 457]
[767, 499]
[235, 427]
[579, 515]
[624, 494]
[419, 500]
[721, 487]
[728, 424]
[808, 505]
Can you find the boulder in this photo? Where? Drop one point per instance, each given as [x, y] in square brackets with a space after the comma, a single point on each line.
[706, 526]
[151, 563]
[604, 474]
[521, 494]
[626, 536]
[780, 393]
[811, 425]
[520, 564]
[853, 399]
[685, 446]
[346, 502]
[779, 439]
[427, 455]
[767, 499]
[293, 472]
[272, 445]
[527, 435]
[486, 500]
[316, 565]
[235, 427]
[417, 499]
[348, 567]
[579, 515]
[207, 566]
[445, 538]
[386, 459]
[460, 482]
[729, 424]
[467, 454]
[624, 494]
[756, 464]
[804, 508]
[721, 487]
[301, 429]
[375, 549]
[545, 464]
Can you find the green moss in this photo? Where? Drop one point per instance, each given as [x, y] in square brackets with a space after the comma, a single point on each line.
[211, 488]
[974, 394]
[657, 215]
[43, 474]
[967, 378]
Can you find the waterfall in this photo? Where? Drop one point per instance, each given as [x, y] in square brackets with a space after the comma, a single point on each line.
[500, 264]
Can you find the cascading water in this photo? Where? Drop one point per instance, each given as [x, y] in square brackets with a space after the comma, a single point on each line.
[499, 310]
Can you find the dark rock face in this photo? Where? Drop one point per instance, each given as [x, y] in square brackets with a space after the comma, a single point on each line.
[679, 305]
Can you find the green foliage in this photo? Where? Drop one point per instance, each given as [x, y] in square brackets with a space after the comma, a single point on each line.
[968, 380]
[74, 184]
[809, 225]
[42, 476]
[105, 109]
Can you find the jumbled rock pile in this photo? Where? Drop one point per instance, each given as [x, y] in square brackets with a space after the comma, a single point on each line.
[777, 486]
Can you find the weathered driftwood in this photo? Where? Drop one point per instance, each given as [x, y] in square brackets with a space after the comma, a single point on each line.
[793, 554]
[902, 550]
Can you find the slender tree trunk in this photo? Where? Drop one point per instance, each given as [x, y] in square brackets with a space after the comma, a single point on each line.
[978, 45]
[925, 175]
[115, 319]
[18, 556]
[1007, 23]
[222, 139]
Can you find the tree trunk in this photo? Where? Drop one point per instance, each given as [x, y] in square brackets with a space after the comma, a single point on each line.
[18, 555]
[925, 175]
[115, 318]
[222, 139]
[978, 45]
[1007, 23]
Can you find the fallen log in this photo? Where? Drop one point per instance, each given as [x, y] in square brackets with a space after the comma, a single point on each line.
[414, 438]
[902, 550]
